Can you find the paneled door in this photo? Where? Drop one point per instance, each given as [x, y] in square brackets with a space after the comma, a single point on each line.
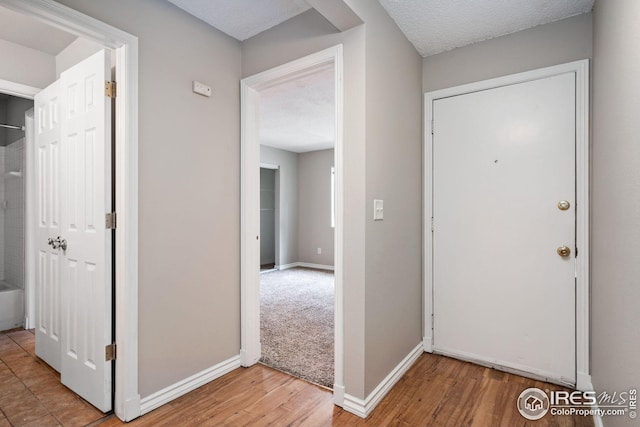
[47, 178]
[80, 199]
[504, 231]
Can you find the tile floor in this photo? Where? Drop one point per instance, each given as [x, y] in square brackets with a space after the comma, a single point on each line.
[30, 390]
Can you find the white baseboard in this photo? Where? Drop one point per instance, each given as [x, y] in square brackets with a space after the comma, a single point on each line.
[180, 388]
[338, 395]
[131, 408]
[583, 382]
[427, 343]
[247, 359]
[306, 265]
[597, 419]
[286, 266]
[316, 266]
[363, 408]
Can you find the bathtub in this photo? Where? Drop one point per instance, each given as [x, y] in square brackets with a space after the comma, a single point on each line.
[11, 306]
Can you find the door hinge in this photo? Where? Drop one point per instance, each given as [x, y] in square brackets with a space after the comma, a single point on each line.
[111, 221]
[110, 352]
[110, 89]
[432, 127]
[432, 224]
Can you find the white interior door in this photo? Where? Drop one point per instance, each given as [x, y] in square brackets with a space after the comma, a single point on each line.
[73, 191]
[502, 161]
[86, 268]
[47, 208]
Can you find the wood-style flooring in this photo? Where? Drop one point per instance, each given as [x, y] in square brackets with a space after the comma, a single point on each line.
[436, 391]
[31, 394]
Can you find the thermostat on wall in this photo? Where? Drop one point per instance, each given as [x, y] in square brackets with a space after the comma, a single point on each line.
[201, 88]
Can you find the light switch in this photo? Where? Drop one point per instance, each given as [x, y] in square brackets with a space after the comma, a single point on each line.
[378, 210]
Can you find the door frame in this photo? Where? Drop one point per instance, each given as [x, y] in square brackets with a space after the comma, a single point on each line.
[581, 70]
[250, 350]
[125, 46]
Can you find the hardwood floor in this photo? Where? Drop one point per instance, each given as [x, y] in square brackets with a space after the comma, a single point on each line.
[31, 394]
[436, 391]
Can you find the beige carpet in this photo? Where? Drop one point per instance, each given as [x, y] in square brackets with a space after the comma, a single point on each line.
[296, 323]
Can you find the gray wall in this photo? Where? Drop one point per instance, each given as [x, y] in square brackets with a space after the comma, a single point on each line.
[394, 172]
[77, 51]
[267, 216]
[615, 225]
[303, 204]
[300, 36]
[314, 207]
[189, 253]
[286, 202]
[27, 66]
[550, 44]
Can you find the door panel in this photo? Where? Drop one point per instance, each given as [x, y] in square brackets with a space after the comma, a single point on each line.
[503, 159]
[47, 170]
[86, 266]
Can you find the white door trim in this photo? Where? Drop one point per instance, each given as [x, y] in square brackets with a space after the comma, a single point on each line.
[581, 70]
[250, 220]
[127, 399]
[29, 221]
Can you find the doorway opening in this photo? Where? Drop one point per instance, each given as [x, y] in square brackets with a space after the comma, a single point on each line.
[13, 139]
[297, 138]
[68, 171]
[74, 26]
[292, 125]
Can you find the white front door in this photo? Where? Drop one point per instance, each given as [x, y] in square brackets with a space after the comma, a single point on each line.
[80, 198]
[503, 159]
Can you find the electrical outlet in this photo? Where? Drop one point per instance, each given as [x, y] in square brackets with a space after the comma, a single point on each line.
[319, 251]
[201, 88]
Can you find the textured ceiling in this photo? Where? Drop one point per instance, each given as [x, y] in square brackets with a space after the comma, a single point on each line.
[435, 26]
[299, 115]
[25, 31]
[242, 19]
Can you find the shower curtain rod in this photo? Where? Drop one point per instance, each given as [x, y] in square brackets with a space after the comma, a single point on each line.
[12, 127]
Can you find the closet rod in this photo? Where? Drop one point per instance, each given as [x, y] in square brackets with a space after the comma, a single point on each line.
[12, 127]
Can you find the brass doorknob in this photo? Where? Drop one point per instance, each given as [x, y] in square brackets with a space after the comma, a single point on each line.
[563, 205]
[564, 251]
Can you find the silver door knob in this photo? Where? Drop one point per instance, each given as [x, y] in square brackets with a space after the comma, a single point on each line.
[58, 243]
[564, 251]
